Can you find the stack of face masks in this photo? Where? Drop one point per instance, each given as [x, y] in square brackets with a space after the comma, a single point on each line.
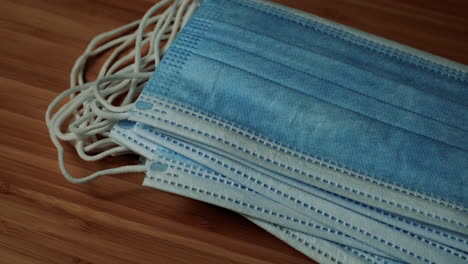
[348, 147]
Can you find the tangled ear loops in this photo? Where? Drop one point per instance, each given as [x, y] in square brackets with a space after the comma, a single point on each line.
[92, 110]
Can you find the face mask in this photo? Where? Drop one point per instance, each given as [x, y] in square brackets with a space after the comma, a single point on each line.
[235, 84]
[284, 105]
[174, 173]
[138, 138]
[261, 180]
[290, 100]
[209, 112]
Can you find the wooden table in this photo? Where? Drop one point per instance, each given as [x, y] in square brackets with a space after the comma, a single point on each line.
[45, 219]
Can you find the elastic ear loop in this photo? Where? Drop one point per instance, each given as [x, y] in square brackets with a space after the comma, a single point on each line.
[94, 116]
[86, 108]
[79, 65]
[102, 113]
[88, 120]
[80, 118]
[67, 175]
[81, 62]
[76, 75]
[123, 46]
[99, 118]
[54, 126]
[94, 128]
[70, 107]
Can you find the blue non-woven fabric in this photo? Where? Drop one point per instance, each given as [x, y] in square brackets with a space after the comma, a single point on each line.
[324, 91]
[158, 176]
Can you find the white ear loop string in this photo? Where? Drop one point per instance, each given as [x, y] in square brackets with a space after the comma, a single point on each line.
[87, 118]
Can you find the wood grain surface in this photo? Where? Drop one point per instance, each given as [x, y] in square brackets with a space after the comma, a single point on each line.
[45, 219]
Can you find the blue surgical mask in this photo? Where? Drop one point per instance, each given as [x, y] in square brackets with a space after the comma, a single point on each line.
[358, 133]
[291, 97]
[349, 147]
[175, 173]
[261, 181]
